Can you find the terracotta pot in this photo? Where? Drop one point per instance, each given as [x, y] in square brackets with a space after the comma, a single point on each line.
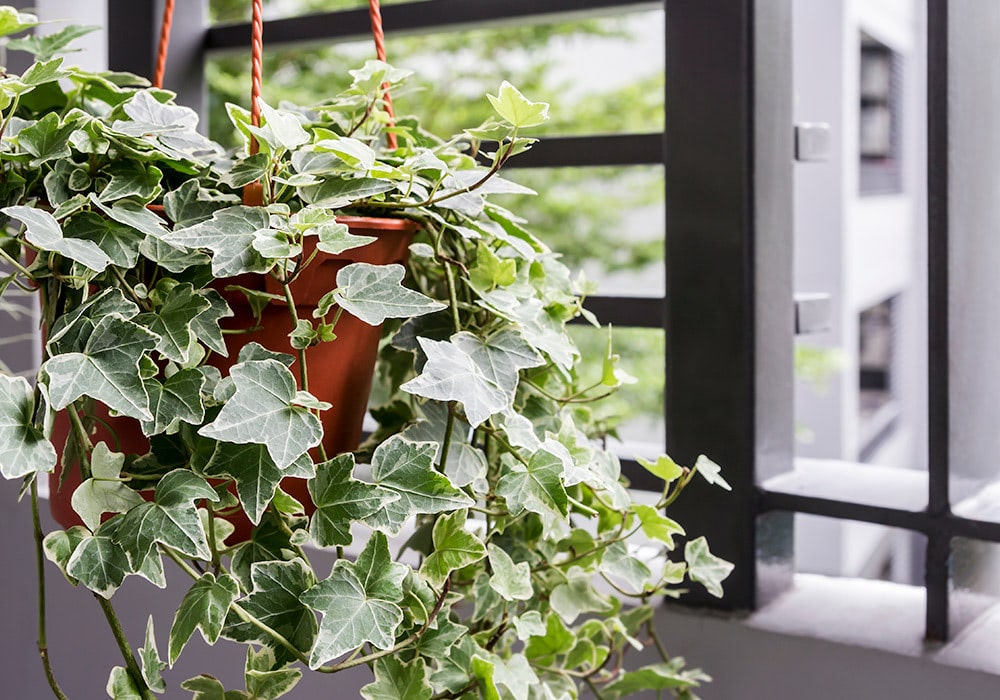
[340, 372]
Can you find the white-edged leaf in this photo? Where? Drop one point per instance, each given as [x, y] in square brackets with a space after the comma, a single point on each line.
[374, 293]
[23, 447]
[481, 374]
[263, 411]
[44, 232]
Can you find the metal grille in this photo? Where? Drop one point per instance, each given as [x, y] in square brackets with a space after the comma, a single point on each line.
[727, 308]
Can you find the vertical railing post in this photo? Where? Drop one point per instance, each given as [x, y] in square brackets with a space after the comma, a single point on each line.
[134, 26]
[938, 399]
[729, 295]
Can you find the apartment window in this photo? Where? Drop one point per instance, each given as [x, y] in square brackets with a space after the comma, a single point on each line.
[880, 118]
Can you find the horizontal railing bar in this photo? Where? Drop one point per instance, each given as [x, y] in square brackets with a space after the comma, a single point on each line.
[918, 521]
[843, 510]
[626, 312]
[590, 151]
[411, 18]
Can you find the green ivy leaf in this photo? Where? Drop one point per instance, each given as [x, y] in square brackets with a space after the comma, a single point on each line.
[706, 568]
[454, 548]
[510, 580]
[711, 472]
[205, 325]
[149, 658]
[521, 112]
[279, 128]
[374, 293]
[204, 607]
[537, 486]
[249, 169]
[491, 271]
[23, 448]
[556, 640]
[481, 374]
[59, 546]
[618, 563]
[262, 682]
[47, 139]
[664, 467]
[44, 47]
[103, 492]
[171, 519]
[43, 232]
[173, 320]
[264, 411]
[337, 238]
[466, 464]
[334, 193]
[130, 178]
[98, 562]
[255, 473]
[229, 234]
[379, 575]
[351, 616]
[656, 525]
[13, 21]
[407, 469]
[340, 500]
[174, 401]
[107, 369]
[209, 688]
[119, 242]
[662, 676]
[399, 680]
[577, 596]
[275, 601]
[121, 686]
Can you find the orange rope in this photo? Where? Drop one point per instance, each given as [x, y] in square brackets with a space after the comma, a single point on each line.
[253, 194]
[161, 54]
[375, 12]
[256, 67]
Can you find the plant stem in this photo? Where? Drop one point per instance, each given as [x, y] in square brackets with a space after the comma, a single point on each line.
[43, 647]
[144, 303]
[130, 664]
[656, 640]
[216, 563]
[239, 610]
[593, 688]
[18, 266]
[449, 427]
[303, 368]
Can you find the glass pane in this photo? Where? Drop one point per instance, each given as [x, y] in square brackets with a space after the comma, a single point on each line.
[587, 70]
[848, 577]
[860, 234]
[974, 254]
[975, 589]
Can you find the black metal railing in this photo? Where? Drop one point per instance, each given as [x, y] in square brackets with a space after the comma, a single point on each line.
[727, 305]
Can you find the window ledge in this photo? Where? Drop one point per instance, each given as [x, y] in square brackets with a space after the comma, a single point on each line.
[885, 616]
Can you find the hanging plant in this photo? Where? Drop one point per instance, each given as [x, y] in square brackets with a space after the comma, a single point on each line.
[486, 544]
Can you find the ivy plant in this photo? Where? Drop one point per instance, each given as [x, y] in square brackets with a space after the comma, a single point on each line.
[486, 543]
